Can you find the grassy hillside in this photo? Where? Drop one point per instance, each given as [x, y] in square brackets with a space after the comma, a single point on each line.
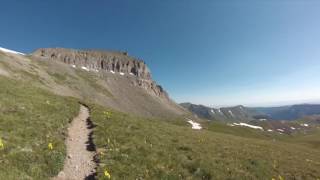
[137, 148]
[308, 137]
[132, 147]
[30, 119]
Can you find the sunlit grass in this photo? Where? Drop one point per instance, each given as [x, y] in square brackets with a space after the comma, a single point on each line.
[30, 119]
[143, 148]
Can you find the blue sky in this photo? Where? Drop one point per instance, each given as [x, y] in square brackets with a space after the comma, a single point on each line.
[217, 53]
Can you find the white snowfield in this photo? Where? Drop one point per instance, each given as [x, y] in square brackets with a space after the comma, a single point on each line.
[281, 130]
[230, 125]
[10, 51]
[195, 125]
[230, 112]
[248, 125]
[85, 68]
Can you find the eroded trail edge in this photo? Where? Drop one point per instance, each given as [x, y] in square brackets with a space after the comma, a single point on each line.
[79, 163]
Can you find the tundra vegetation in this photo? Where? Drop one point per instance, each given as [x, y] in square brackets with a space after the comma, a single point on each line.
[34, 120]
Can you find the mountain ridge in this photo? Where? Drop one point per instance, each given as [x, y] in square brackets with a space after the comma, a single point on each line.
[290, 112]
[235, 113]
[240, 112]
[108, 61]
[80, 74]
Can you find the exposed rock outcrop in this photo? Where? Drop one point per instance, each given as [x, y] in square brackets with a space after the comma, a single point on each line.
[117, 62]
[97, 60]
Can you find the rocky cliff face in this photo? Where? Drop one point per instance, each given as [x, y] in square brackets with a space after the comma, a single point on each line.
[104, 61]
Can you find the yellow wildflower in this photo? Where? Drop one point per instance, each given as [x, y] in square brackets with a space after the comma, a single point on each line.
[50, 146]
[274, 164]
[106, 173]
[280, 177]
[1, 144]
[108, 114]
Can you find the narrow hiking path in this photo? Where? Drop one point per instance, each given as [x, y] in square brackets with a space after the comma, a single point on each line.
[79, 163]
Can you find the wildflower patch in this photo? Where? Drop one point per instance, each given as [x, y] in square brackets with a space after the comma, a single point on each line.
[107, 174]
[1, 144]
[107, 114]
[50, 146]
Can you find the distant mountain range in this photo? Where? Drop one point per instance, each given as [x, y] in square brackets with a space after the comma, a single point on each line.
[236, 113]
[292, 112]
[246, 114]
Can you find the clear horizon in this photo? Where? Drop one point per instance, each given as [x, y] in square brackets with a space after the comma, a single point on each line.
[213, 53]
[270, 104]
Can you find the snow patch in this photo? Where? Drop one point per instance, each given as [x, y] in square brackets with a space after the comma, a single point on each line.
[131, 74]
[281, 130]
[121, 73]
[212, 111]
[10, 51]
[270, 130]
[292, 128]
[248, 125]
[305, 125]
[194, 124]
[230, 112]
[112, 72]
[262, 119]
[74, 66]
[85, 68]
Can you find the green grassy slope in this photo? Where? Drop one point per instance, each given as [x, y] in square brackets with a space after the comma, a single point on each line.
[137, 148]
[30, 118]
[134, 147]
[309, 138]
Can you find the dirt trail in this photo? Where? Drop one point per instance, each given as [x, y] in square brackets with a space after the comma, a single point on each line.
[79, 162]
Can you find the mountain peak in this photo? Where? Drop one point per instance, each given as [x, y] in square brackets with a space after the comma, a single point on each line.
[105, 61]
[97, 60]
